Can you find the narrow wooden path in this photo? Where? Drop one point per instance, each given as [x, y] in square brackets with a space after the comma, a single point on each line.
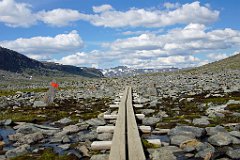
[126, 143]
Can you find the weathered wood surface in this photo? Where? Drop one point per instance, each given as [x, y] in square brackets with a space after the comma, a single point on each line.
[114, 116]
[110, 129]
[135, 148]
[118, 149]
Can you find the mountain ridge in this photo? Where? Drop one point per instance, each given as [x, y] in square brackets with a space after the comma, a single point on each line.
[13, 61]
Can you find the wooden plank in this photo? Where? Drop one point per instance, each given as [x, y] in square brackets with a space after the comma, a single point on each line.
[110, 129]
[135, 148]
[101, 145]
[114, 116]
[118, 149]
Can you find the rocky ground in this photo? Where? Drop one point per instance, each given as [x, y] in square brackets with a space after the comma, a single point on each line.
[196, 116]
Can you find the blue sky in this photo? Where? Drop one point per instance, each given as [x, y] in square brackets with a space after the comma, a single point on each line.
[109, 33]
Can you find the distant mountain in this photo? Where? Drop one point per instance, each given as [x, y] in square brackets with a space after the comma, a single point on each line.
[123, 71]
[15, 62]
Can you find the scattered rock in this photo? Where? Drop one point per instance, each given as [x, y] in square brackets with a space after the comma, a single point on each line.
[21, 150]
[187, 130]
[201, 121]
[87, 136]
[64, 121]
[150, 121]
[214, 130]
[235, 134]
[31, 138]
[71, 129]
[1, 145]
[64, 146]
[179, 139]
[222, 139]
[163, 154]
[105, 136]
[204, 150]
[147, 111]
[84, 150]
[39, 104]
[234, 153]
[100, 157]
[96, 122]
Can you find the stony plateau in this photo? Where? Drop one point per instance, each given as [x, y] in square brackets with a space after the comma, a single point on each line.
[195, 114]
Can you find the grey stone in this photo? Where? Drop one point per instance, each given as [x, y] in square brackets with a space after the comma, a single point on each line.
[87, 136]
[163, 154]
[8, 122]
[31, 138]
[147, 111]
[214, 130]
[222, 139]
[64, 121]
[105, 136]
[84, 150]
[96, 122]
[187, 130]
[235, 134]
[39, 104]
[178, 139]
[204, 149]
[234, 153]
[201, 121]
[71, 129]
[21, 150]
[64, 146]
[151, 121]
[100, 157]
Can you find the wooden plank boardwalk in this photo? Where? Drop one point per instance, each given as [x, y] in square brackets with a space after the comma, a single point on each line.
[126, 143]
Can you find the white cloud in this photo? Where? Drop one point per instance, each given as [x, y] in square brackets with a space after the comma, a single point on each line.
[187, 13]
[216, 56]
[60, 17]
[20, 15]
[16, 14]
[102, 8]
[169, 5]
[46, 45]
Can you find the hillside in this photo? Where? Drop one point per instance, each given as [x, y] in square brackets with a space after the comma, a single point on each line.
[15, 62]
[232, 62]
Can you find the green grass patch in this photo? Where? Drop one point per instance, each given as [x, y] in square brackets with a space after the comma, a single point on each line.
[13, 92]
[47, 154]
[146, 144]
[233, 107]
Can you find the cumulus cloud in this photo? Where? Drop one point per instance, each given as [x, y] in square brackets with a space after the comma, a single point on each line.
[16, 14]
[134, 17]
[102, 8]
[169, 5]
[105, 15]
[46, 45]
[59, 17]
[216, 56]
